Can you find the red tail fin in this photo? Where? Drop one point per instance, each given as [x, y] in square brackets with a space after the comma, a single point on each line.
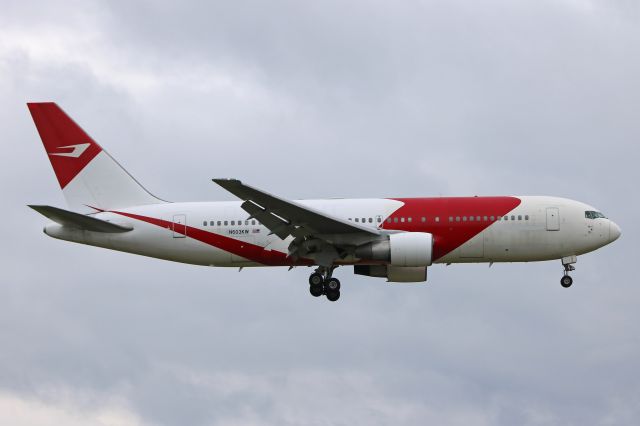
[69, 147]
[88, 175]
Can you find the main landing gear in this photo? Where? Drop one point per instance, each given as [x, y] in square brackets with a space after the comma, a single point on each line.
[321, 282]
[566, 281]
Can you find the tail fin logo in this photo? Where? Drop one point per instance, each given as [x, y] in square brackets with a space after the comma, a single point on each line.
[78, 150]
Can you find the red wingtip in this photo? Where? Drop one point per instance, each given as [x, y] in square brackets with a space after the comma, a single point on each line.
[69, 147]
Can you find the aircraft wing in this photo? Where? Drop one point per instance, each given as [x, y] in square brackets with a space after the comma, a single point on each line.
[284, 217]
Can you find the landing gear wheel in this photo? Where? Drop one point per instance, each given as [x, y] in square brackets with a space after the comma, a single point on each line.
[566, 281]
[332, 285]
[316, 279]
[316, 290]
[333, 295]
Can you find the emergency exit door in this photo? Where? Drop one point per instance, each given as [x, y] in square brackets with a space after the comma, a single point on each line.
[179, 225]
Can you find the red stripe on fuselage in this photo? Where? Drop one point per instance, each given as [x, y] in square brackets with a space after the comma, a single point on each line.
[449, 235]
[240, 248]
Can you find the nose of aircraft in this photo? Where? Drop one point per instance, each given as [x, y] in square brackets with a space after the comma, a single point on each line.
[614, 231]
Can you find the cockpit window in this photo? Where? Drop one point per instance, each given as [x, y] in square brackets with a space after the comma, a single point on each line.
[594, 215]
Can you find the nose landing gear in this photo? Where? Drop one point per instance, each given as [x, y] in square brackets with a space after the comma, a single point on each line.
[566, 281]
[321, 282]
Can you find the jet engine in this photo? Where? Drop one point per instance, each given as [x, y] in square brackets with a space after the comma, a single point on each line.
[402, 249]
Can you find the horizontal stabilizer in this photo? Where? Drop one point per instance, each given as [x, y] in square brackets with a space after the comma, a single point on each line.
[80, 221]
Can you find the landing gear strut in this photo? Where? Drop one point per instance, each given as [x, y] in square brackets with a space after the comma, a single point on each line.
[321, 282]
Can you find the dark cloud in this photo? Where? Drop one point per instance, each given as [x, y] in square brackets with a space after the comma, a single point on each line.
[321, 100]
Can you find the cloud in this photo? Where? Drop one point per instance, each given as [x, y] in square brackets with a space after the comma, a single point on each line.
[361, 99]
[30, 411]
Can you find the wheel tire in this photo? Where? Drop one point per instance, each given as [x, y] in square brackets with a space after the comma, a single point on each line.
[316, 279]
[332, 285]
[566, 281]
[333, 295]
[316, 290]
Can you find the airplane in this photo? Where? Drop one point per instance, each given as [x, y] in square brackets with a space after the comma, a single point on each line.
[393, 238]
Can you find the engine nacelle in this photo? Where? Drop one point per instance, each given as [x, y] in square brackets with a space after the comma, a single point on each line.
[411, 249]
[394, 274]
[401, 249]
[406, 274]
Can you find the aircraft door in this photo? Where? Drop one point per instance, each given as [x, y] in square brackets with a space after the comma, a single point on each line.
[553, 219]
[179, 225]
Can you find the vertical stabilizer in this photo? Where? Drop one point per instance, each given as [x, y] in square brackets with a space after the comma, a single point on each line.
[87, 174]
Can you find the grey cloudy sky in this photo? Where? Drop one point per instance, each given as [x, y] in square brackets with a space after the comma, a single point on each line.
[308, 100]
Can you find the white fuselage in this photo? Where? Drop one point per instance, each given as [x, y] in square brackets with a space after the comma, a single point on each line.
[216, 233]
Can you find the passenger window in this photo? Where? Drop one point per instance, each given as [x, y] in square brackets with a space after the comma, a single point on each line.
[526, 217]
[363, 220]
[379, 219]
[370, 220]
[506, 218]
[471, 219]
[219, 223]
[464, 218]
[395, 220]
[204, 223]
[226, 223]
[402, 219]
[409, 220]
[437, 218]
[478, 218]
[450, 218]
[357, 220]
[424, 219]
[233, 222]
[513, 217]
[457, 218]
[389, 220]
[519, 217]
[485, 218]
[492, 218]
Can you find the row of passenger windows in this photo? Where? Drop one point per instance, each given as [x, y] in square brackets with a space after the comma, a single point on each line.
[488, 218]
[229, 222]
[365, 220]
[462, 218]
[389, 220]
